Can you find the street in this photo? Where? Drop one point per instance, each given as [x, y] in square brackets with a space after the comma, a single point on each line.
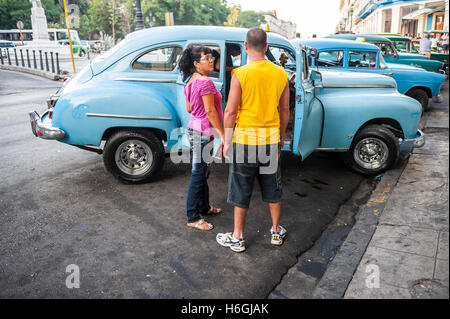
[59, 207]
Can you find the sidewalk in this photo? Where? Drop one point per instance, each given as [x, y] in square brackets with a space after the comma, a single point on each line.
[408, 254]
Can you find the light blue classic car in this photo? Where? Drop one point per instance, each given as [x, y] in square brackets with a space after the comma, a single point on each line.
[132, 99]
[335, 54]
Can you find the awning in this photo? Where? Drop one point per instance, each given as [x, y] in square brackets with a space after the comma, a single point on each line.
[417, 13]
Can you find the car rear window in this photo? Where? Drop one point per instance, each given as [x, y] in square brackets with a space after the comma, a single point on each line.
[161, 59]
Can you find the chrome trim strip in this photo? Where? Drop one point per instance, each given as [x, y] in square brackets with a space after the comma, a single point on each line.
[130, 117]
[358, 86]
[331, 149]
[147, 80]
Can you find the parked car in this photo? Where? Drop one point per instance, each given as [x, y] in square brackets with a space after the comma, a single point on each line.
[404, 45]
[391, 55]
[4, 45]
[132, 98]
[77, 47]
[336, 54]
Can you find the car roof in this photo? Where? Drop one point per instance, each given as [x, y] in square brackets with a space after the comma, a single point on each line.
[368, 37]
[330, 43]
[398, 38]
[178, 33]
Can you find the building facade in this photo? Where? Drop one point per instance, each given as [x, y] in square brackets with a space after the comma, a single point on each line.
[405, 17]
[287, 29]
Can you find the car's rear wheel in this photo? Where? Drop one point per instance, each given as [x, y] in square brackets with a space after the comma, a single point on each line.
[374, 150]
[133, 156]
[421, 96]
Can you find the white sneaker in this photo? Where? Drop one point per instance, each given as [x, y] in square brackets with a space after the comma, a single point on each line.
[277, 237]
[227, 240]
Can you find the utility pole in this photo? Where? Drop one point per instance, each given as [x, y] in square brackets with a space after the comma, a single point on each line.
[139, 18]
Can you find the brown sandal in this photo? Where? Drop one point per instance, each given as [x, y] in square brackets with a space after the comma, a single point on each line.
[198, 224]
[213, 211]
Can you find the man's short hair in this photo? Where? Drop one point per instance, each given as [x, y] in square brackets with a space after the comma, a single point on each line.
[256, 39]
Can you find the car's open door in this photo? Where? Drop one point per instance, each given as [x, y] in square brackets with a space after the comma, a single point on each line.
[308, 122]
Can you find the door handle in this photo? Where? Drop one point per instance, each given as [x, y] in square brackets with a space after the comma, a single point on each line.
[388, 74]
[310, 90]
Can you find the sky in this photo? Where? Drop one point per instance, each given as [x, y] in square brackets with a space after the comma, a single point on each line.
[311, 16]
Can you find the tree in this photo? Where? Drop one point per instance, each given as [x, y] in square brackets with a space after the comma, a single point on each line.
[52, 10]
[12, 11]
[249, 19]
[187, 12]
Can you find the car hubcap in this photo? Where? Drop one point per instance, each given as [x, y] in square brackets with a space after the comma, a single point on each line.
[371, 153]
[134, 157]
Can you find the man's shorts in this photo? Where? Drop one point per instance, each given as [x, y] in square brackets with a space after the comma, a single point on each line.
[248, 162]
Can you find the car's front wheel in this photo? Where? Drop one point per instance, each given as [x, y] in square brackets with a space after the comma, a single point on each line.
[374, 150]
[133, 156]
[419, 95]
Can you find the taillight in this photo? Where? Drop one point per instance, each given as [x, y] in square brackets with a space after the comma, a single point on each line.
[66, 78]
[50, 114]
[52, 101]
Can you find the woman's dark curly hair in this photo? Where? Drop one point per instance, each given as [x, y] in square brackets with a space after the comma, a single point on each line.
[191, 54]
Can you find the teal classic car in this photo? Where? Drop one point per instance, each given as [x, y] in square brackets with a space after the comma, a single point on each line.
[391, 55]
[404, 45]
[336, 54]
[131, 98]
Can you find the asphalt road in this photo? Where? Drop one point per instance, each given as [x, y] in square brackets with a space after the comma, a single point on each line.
[59, 206]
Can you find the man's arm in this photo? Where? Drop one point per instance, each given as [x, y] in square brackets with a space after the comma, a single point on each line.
[234, 99]
[283, 107]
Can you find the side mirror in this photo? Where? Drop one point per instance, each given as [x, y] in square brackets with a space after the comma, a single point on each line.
[316, 77]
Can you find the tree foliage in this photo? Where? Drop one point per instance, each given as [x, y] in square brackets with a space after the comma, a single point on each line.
[104, 16]
[12, 11]
[249, 19]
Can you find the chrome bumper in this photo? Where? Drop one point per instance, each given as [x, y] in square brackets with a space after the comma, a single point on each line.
[418, 141]
[44, 129]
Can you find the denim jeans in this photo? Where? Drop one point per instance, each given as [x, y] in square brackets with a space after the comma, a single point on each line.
[198, 191]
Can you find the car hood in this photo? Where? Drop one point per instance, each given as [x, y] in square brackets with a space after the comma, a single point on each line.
[404, 66]
[412, 56]
[355, 79]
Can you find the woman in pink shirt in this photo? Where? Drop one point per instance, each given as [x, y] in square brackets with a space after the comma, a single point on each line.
[204, 102]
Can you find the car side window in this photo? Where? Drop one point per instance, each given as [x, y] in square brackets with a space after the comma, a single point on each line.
[362, 59]
[305, 73]
[160, 59]
[330, 59]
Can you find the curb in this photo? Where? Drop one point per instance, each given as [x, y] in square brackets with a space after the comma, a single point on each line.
[339, 273]
[48, 75]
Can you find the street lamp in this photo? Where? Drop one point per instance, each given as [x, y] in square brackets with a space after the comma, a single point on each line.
[351, 17]
[139, 18]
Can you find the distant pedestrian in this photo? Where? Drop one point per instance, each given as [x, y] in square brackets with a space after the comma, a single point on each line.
[445, 44]
[434, 43]
[425, 46]
[204, 102]
[258, 106]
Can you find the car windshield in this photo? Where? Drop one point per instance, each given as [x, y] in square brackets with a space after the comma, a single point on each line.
[281, 56]
[113, 50]
[404, 46]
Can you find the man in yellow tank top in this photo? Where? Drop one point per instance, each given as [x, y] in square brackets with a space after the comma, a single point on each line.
[258, 109]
